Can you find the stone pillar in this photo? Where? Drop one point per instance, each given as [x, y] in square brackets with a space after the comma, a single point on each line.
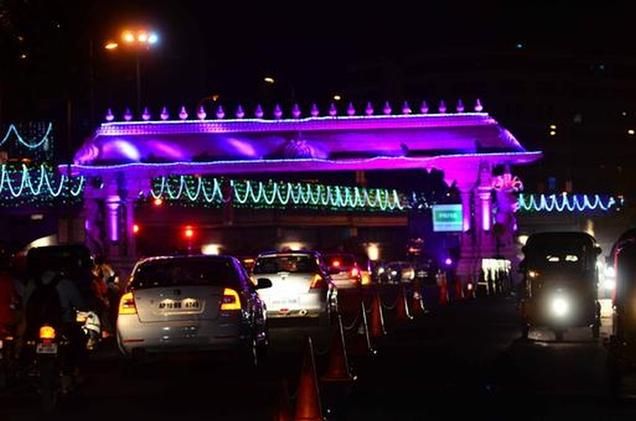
[112, 225]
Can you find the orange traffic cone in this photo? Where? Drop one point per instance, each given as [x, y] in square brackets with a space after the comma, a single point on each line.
[308, 406]
[459, 289]
[377, 318]
[402, 312]
[284, 412]
[416, 305]
[443, 289]
[338, 369]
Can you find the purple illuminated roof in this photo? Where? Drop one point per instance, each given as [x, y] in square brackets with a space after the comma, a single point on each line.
[322, 143]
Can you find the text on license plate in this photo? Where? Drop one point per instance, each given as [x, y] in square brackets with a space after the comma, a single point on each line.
[187, 304]
[286, 302]
[46, 348]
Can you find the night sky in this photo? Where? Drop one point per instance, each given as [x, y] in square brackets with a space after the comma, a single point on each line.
[53, 55]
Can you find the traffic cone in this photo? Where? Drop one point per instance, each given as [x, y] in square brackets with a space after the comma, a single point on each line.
[338, 368]
[416, 305]
[459, 289]
[376, 327]
[308, 406]
[402, 312]
[443, 290]
[284, 412]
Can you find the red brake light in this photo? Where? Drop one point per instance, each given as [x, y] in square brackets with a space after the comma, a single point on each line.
[355, 272]
[230, 300]
[335, 263]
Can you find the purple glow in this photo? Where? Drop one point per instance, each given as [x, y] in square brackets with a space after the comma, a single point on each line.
[201, 114]
[118, 148]
[350, 109]
[164, 114]
[239, 112]
[451, 162]
[258, 113]
[278, 112]
[220, 113]
[146, 114]
[296, 111]
[128, 115]
[448, 261]
[424, 107]
[387, 108]
[333, 111]
[315, 112]
[478, 107]
[460, 106]
[406, 108]
[369, 109]
[183, 114]
[442, 107]
[109, 115]
[485, 214]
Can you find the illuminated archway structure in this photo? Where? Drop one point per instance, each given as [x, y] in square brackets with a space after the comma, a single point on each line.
[121, 160]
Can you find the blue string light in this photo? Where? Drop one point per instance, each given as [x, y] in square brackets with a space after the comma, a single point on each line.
[271, 193]
[566, 203]
[29, 185]
[34, 144]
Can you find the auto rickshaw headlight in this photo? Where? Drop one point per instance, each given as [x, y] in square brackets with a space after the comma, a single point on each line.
[533, 274]
[560, 306]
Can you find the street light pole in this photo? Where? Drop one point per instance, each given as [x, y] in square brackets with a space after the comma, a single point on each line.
[138, 75]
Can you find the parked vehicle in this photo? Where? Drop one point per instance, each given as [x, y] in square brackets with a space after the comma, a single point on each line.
[192, 303]
[301, 284]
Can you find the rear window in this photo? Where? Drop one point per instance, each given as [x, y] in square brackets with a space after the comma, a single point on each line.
[340, 260]
[293, 264]
[161, 273]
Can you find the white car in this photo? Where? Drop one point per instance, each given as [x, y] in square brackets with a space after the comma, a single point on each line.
[192, 303]
[301, 285]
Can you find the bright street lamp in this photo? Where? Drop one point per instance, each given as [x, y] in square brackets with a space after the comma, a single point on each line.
[136, 40]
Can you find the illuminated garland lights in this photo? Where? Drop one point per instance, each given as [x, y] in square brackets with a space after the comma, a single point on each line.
[40, 185]
[33, 144]
[566, 203]
[258, 194]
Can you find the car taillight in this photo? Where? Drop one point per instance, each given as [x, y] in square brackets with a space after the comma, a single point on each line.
[355, 272]
[230, 300]
[127, 304]
[317, 282]
[47, 332]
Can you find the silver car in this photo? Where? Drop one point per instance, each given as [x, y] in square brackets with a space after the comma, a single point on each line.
[192, 303]
[301, 284]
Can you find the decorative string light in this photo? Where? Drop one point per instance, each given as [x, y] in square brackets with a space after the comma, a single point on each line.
[21, 183]
[32, 144]
[565, 202]
[276, 194]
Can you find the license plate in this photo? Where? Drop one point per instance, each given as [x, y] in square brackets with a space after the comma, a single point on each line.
[46, 348]
[286, 302]
[187, 304]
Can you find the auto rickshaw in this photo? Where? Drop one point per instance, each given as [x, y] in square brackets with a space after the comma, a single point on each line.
[622, 343]
[560, 283]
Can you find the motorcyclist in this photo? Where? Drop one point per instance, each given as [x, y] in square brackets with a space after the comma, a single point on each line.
[61, 314]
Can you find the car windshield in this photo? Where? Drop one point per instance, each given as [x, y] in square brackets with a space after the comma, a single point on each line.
[170, 272]
[290, 263]
[557, 255]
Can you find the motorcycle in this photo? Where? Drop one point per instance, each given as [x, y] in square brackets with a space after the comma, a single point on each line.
[50, 370]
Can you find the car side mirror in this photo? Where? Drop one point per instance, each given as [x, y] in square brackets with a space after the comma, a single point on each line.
[262, 283]
[333, 270]
[598, 250]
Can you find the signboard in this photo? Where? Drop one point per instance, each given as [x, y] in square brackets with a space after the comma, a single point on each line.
[448, 218]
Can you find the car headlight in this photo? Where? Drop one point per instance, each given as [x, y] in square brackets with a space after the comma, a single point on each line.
[533, 274]
[560, 306]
